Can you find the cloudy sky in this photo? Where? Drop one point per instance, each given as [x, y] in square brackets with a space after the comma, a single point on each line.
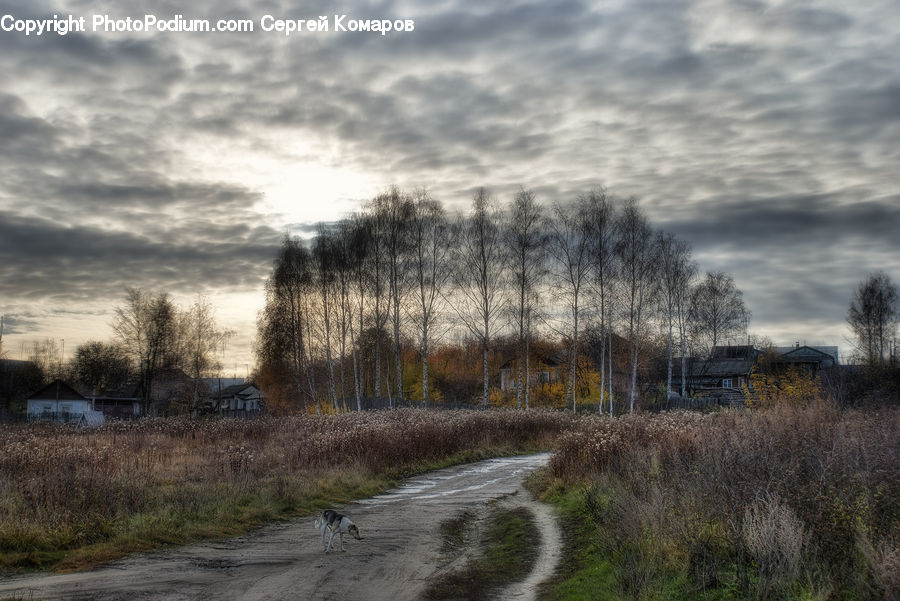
[766, 133]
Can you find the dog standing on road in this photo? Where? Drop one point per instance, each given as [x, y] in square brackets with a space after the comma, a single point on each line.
[337, 524]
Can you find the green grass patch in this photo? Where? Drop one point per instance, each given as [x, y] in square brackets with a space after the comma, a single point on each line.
[586, 572]
[506, 553]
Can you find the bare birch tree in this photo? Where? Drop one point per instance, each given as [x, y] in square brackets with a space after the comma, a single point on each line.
[430, 250]
[144, 325]
[376, 284]
[873, 317]
[324, 259]
[675, 271]
[395, 211]
[357, 244]
[343, 276]
[525, 239]
[204, 339]
[479, 259]
[569, 245]
[717, 309]
[602, 232]
[638, 274]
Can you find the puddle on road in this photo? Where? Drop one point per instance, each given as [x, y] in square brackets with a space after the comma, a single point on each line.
[439, 485]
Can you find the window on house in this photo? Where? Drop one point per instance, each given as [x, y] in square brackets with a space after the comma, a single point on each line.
[726, 383]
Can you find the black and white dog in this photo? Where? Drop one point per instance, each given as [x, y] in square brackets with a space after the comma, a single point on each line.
[332, 521]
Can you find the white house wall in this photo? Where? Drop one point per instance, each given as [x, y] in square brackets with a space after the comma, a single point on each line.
[40, 406]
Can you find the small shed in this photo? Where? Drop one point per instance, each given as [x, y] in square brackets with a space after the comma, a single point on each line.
[60, 402]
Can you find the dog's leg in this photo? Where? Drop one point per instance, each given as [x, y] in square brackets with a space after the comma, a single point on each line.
[330, 542]
[323, 529]
[342, 541]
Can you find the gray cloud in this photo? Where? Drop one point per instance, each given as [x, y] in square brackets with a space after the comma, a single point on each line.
[44, 260]
[821, 222]
[766, 135]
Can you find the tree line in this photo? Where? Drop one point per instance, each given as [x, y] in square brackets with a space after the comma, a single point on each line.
[361, 309]
[153, 334]
[344, 309]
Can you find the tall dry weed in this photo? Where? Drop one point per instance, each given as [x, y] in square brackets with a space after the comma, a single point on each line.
[836, 473]
[773, 535]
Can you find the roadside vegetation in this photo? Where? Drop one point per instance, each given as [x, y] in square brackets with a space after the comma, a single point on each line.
[783, 503]
[70, 499]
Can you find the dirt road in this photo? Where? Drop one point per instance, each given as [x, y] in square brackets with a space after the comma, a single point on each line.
[399, 553]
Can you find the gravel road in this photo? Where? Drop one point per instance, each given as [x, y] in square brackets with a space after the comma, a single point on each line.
[399, 553]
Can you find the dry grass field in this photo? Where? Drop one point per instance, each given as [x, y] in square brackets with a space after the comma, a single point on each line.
[71, 498]
[781, 503]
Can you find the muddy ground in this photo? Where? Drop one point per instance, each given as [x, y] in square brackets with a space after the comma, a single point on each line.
[400, 552]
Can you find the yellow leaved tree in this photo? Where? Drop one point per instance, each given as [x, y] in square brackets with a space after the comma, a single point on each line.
[772, 384]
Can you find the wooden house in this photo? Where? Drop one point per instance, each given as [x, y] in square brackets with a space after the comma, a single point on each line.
[723, 375]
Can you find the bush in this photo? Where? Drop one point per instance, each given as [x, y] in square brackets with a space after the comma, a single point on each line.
[768, 503]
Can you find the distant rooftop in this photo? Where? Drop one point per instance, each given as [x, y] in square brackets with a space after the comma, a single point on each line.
[831, 351]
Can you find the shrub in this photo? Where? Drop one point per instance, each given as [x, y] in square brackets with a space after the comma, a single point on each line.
[761, 501]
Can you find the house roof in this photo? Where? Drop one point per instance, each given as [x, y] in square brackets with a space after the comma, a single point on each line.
[810, 354]
[724, 362]
[57, 391]
[238, 389]
[171, 374]
[216, 384]
[128, 392]
[722, 368]
[745, 352]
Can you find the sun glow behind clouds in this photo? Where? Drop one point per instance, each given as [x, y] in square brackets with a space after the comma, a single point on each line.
[313, 192]
[764, 133]
[298, 181]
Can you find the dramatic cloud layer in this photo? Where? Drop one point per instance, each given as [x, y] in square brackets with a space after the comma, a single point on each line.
[766, 133]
